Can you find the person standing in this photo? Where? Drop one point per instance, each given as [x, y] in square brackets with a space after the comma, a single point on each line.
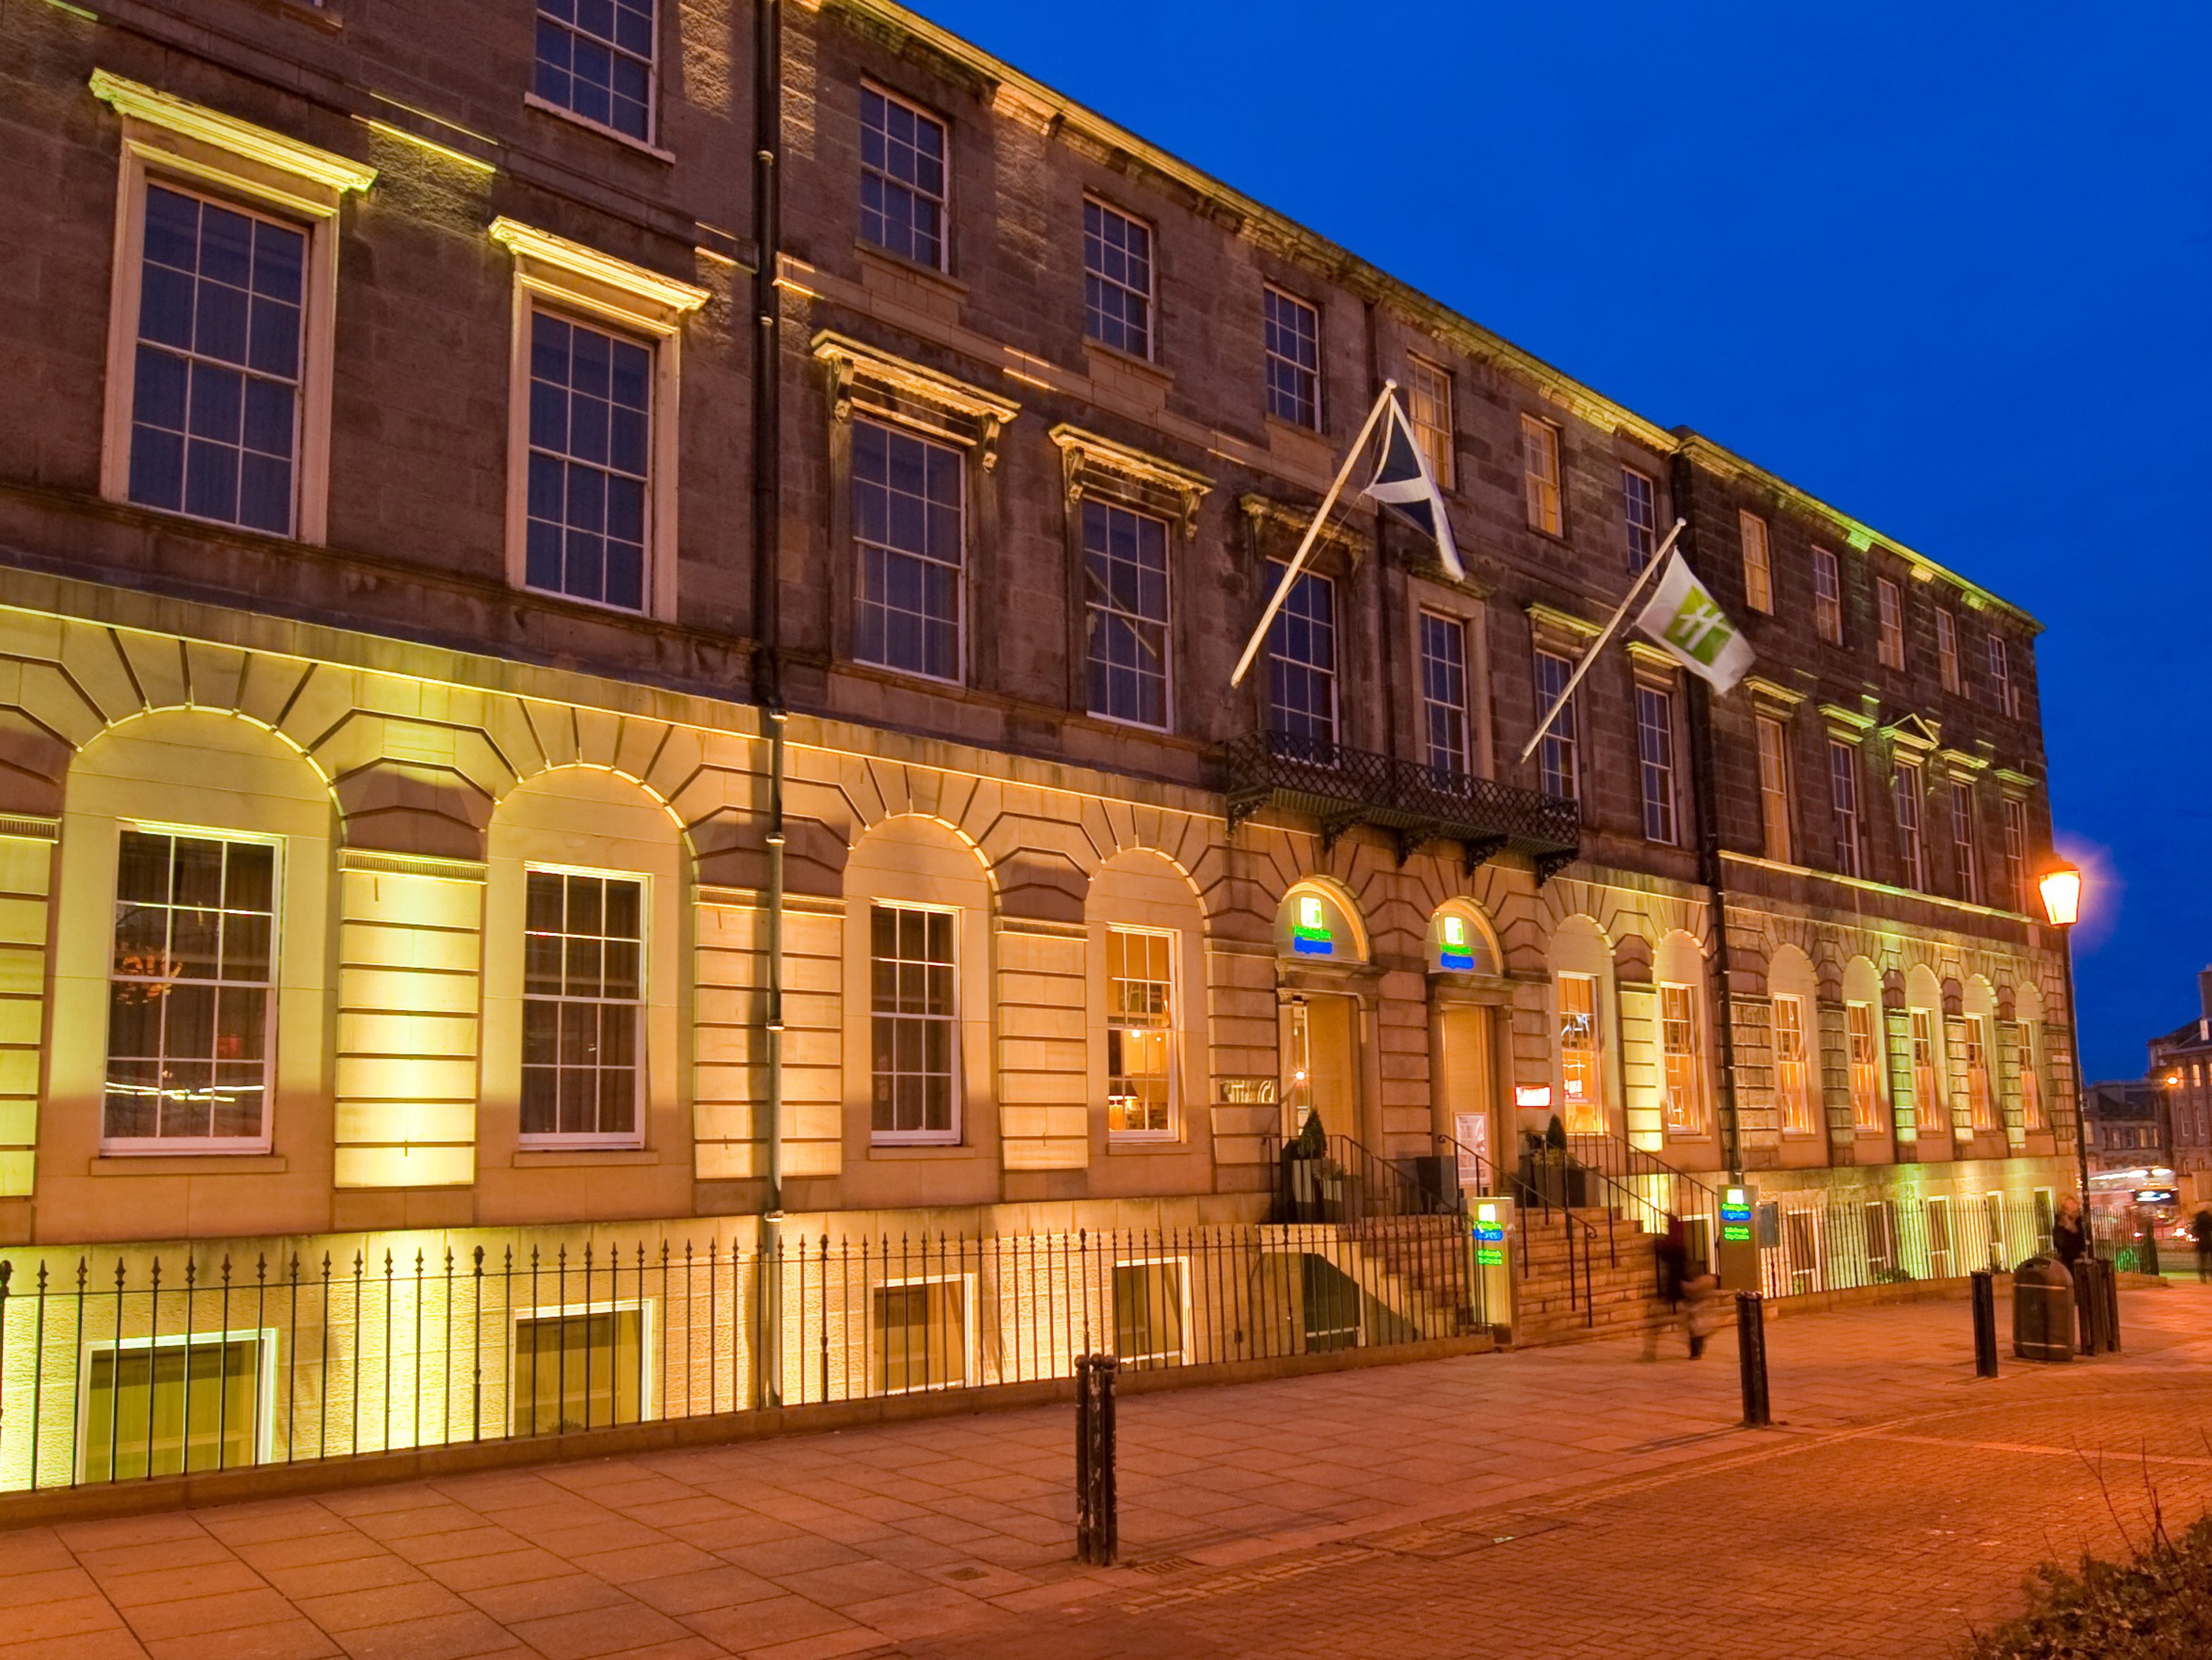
[2069, 1233]
[2200, 1230]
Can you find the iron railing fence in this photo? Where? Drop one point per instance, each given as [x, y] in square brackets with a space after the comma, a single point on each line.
[136, 1363]
[1808, 1246]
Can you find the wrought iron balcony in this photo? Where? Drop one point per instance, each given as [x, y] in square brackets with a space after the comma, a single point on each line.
[1417, 804]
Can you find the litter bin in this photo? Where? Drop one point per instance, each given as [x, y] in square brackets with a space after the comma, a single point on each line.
[2042, 1311]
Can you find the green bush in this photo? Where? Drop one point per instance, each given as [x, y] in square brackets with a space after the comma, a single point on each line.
[2155, 1605]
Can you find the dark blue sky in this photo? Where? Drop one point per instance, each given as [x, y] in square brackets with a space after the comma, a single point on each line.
[1946, 264]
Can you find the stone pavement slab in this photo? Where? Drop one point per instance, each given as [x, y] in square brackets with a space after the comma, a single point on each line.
[1564, 1501]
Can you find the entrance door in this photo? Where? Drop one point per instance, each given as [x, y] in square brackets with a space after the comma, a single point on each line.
[1467, 1092]
[1321, 1066]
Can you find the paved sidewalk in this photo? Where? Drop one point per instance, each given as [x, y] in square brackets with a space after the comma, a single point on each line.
[1565, 1502]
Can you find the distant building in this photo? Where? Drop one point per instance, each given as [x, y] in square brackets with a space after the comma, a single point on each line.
[2181, 1064]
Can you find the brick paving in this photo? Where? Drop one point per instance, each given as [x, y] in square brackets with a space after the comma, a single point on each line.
[1564, 1502]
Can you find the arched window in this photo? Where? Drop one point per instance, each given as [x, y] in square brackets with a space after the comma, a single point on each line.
[1685, 1079]
[1582, 996]
[1924, 1005]
[1459, 940]
[1316, 924]
[1863, 1045]
[1792, 994]
[195, 873]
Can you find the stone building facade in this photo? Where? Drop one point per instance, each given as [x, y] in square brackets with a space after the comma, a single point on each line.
[434, 546]
[2181, 1065]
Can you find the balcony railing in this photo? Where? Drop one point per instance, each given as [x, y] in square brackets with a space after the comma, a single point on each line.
[1417, 804]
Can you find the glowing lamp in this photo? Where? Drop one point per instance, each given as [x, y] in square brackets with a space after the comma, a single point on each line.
[2062, 894]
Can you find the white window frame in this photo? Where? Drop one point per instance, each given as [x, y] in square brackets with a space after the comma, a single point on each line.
[965, 1280]
[1429, 407]
[1562, 738]
[2034, 1109]
[1285, 297]
[2015, 844]
[1682, 1119]
[900, 432]
[950, 1136]
[1908, 795]
[203, 151]
[556, 274]
[1543, 482]
[533, 99]
[1889, 599]
[1794, 1099]
[944, 261]
[1643, 533]
[1924, 1033]
[1095, 607]
[1590, 1115]
[642, 1093]
[1758, 562]
[1180, 1356]
[1846, 814]
[1656, 773]
[1868, 1095]
[1149, 294]
[264, 1393]
[1965, 850]
[1329, 671]
[201, 1146]
[648, 1407]
[1173, 1131]
[1461, 764]
[2001, 685]
[1981, 1074]
[1778, 833]
[1828, 596]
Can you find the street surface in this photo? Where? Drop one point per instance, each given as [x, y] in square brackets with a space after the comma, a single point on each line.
[1565, 1502]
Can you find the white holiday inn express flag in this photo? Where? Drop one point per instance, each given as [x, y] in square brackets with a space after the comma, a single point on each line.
[1683, 618]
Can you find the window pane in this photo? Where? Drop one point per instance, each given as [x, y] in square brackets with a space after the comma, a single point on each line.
[583, 1003]
[907, 517]
[590, 464]
[595, 60]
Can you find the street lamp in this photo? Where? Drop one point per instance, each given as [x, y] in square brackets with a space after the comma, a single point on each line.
[2061, 887]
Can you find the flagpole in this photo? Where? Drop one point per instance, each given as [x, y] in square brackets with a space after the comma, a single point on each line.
[1283, 589]
[1605, 633]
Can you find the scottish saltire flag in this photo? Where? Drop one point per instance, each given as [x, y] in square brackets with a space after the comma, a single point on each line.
[1683, 618]
[1402, 481]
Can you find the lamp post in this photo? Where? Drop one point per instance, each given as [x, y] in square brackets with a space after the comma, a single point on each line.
[2061, 887]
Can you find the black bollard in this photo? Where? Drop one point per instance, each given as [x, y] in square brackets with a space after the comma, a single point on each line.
[1751, 1357]
[2088, 1303]
[2109, 1280]
[1096, 1528]
[1985, 1324]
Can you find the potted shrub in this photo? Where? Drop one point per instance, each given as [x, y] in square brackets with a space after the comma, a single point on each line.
[1548, 1174]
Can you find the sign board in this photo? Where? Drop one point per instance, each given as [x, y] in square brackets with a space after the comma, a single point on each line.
[1736, 1259]
[1489, 1234]
[1532, 1095]
[1247, 1092]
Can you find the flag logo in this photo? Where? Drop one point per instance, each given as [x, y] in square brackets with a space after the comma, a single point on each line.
[1683, 618]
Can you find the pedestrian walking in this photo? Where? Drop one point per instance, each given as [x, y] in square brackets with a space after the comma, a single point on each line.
[1672, 1254]
[2069, 1233]
[2200, 1230]
[1701, 1306]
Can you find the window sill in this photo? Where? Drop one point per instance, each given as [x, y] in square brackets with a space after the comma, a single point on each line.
[561, 1158]
[1145, 1144]
[883, 260]
[1277, 425]
[547, 107]
[187, 1163]
[1117, 361]
[921, 1150]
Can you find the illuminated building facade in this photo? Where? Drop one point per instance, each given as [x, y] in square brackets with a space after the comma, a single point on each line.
[516, 717]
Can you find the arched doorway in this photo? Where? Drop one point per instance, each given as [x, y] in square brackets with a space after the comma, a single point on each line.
[1317, 929]
[1463, 964]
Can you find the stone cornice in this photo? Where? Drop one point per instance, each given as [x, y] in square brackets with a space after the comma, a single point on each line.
[337, 174]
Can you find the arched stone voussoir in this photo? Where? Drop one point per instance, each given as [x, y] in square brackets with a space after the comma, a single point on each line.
[397, 807]
[1041, 886]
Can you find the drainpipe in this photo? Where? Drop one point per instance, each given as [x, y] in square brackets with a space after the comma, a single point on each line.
[767, 678]
[1708, 859]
